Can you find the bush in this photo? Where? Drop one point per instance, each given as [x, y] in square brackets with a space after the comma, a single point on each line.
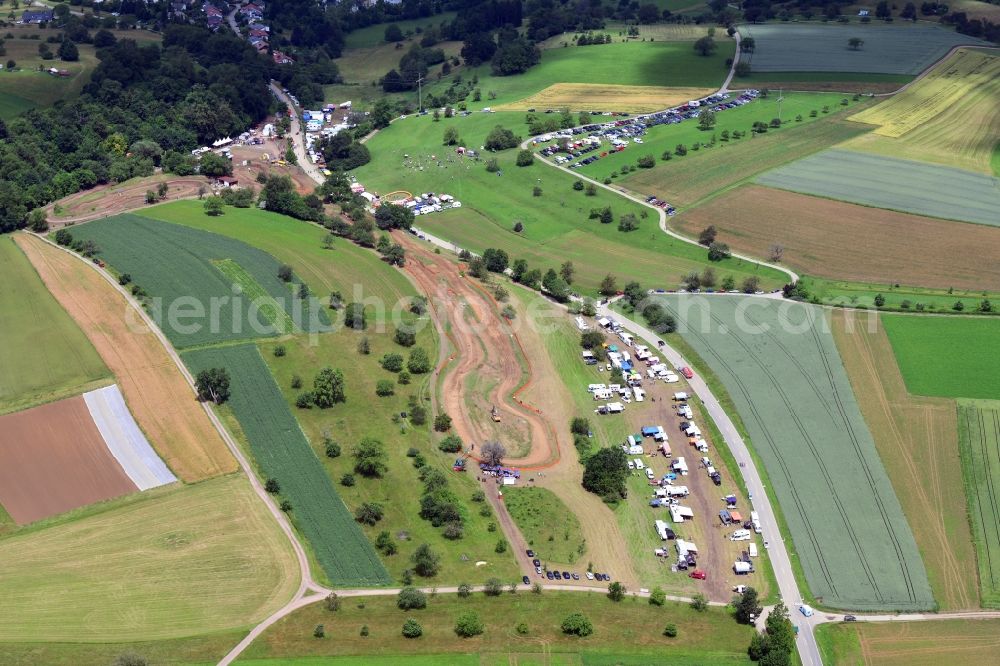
[385, 543]
[616, 591]
[578, 185]
[464, 590]
[577, 624]
[392, 362]
[442, 422]
[405, 338]
[412, 629]
[280, 351]
[285, 273]
[657, 597]
[646, 162]
[420, 362]
[525, 158]
[718, 251]
[369, 513]
[670, 631]
[384, 388]
[469, 624]
[332, 602]
[425, 561]
[347, 480]
[521, 628]
[410, 598]
[332, 449]
[319, 631]
[272, 486]
[493, 587]
[450, 444]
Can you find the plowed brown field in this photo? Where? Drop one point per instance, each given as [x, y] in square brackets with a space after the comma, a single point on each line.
[917, 439]
[158, 395]
[839, 240]
[53, 459]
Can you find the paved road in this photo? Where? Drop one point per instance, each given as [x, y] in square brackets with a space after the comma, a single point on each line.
[297, 137]
[778, 554]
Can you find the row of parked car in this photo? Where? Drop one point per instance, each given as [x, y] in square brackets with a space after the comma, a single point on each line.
[560, 575]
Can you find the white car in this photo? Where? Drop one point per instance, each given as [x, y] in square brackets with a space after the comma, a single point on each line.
[590, 576]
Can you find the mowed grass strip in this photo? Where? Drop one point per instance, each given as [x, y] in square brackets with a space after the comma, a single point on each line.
[162, 564]
[979, 440]
[949, 357]
[781, 366]
[44, 356]
[948, 117]
[916, 438]
[845, 241]
[895, 184]
[549, 527]
[687, 180]
[556, 224]
[956, 642]
[251, 289]
[632, 628]
[606, 97]
[299, 244]
[282, 452]
[813, 47]
[198, 303]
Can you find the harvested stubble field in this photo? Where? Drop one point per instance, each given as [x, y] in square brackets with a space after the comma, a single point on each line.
[950, 116]
[887, 182]
[44, 356]
[979, 439]
[690, 179]
[53, 459]
[954, 642]
[896, 49]
[167, 563]
[174, 263]
[917, 440]
[605, 97]
[780, 364]
[844, 241]
[949, 357]
[157, 392]
[281, 451]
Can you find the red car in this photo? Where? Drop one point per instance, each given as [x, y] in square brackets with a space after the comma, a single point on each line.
[698, 574]
[687, 372]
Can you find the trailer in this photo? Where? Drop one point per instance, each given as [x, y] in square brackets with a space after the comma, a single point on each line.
[650, 431]
[755, 519]
[742, 568]
[680, 396]
[753, 549]
[661, 529]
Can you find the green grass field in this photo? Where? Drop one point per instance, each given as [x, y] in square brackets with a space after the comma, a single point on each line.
[814, 47]
[896, 184]
[782, 368]
[373, 35]
[666, 137]
[556, 224]
[282, 452]
[12, 105]
[44, 356]
[979, 446]
[862, 294]
[549, 527]
[824, 77]
[629, 632]
[167, 563]
[947, 357]
[300, 245]
[199, 304]
[698, 176]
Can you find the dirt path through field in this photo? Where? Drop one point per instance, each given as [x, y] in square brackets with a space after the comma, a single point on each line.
[157, 394]
[113, 199]
[917, 439]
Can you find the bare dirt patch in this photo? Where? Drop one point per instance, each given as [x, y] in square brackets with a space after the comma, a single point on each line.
[845, 241]
[157, 394]
[917, 439]
[53, 459]
[112, 199]
[587, 96]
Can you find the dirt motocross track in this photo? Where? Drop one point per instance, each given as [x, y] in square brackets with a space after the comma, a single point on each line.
[485, 368]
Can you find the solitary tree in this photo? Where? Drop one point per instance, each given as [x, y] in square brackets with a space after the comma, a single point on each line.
[705, 46]
[213, 206]
[747, 606]
[493, 453]
[616, 591]
[213, 384]
[706, 119]
[776, 252]
[855, 43]
[609, 285]
[707, 235]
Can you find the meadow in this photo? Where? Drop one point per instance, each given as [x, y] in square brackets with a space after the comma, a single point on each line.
[895, 184]
[781, 367]
[793, 110]
[898, 297]
[948, 357]
[699, 175]
[847, 82]
[174, 263]
[888, 49]
[229, 567]
[45, 356]
[300, 245]
[948, 117]
[979, 446]
[916, 438]
[281, 451]
[712, 637]
[549, 527]
[373, 35]
[844, 241]
[956, 642]
[556, 224]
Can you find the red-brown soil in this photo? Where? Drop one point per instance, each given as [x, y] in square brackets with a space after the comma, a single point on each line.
[53, 459]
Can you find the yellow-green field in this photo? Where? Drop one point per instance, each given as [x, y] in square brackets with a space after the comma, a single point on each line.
[163, 564]
[953, 642]
[951, 116]
[587, 96]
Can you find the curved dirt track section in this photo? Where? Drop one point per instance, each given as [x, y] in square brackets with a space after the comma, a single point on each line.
[485, 349]
[112, 199]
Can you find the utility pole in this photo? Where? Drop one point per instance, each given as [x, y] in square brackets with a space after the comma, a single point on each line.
[780, 97]
[420, 94]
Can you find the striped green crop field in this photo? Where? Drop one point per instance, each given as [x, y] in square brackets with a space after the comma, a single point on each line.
[979, 446]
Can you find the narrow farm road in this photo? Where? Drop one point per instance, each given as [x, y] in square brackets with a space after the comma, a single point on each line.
[778, 554]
